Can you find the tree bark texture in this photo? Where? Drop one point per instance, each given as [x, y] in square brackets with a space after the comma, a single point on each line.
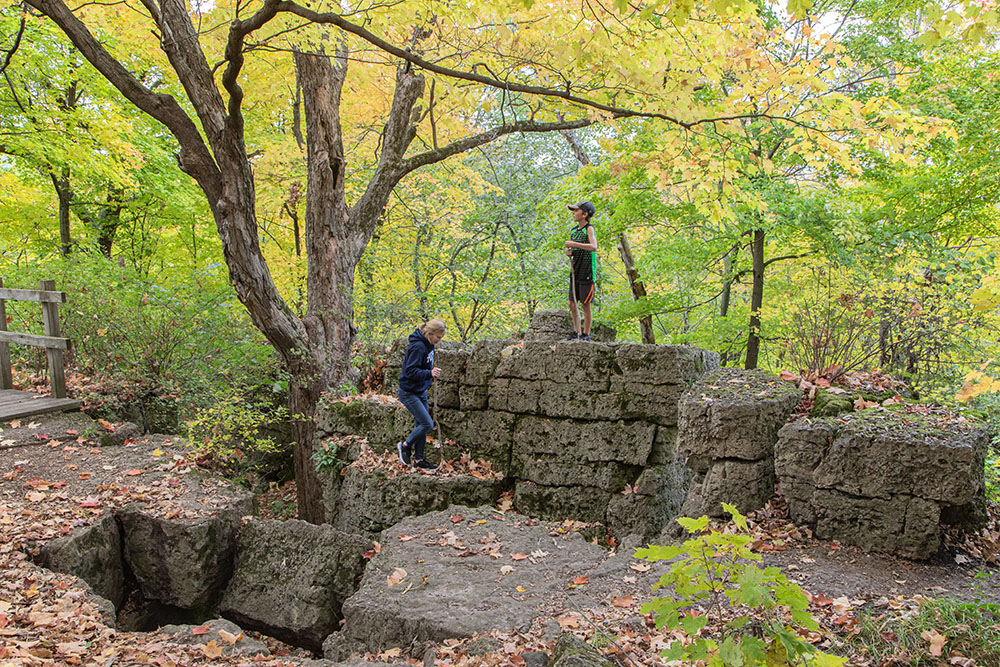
[756, 299]
[64, 193]
[638, 289]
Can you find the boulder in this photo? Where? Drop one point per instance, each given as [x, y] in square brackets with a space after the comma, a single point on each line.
[482, 362]
[92, 553]
[883, 481]
[647, 508]
[454, 576]
[733, 414]
[571, 440]
[568, 363]
[664, 364]
[243, 647]
[184, 561]
[556, 325]
[583, 503]
[485, 434]
[120, 435]
[748, 485]
[557, 471]
[382, 422]
[369, 502]
[291, 579]
[903, 525]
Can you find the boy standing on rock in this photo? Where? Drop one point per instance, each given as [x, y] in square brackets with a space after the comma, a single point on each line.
[582, 251]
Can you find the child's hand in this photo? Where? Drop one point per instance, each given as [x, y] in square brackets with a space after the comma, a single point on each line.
[435, 372]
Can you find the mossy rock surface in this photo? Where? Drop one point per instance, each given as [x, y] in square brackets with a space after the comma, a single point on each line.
[830, 404]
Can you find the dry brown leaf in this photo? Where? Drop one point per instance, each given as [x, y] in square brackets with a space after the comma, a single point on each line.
[229, 637]
[212, 649]
[398, 576]
[935, 640]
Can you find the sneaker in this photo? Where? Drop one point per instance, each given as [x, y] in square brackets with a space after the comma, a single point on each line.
[423, 464]
[404, 452]
[584, 336]
[572, 336]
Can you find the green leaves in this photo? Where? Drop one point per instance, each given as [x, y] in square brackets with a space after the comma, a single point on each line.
[799, 8]
[715, 570]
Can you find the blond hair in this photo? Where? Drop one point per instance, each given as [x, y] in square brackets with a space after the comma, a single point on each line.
[432, 326]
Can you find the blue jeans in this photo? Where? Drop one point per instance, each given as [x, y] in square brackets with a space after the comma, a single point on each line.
[422, 422]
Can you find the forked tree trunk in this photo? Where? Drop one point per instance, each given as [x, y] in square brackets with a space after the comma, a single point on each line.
[317, 348]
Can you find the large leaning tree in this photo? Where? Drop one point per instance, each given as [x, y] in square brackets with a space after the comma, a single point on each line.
[586, 63]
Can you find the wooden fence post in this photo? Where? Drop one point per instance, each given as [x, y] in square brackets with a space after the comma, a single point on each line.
[50, 317]
[6, 376]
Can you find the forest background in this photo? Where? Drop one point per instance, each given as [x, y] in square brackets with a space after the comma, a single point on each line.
[810, 187]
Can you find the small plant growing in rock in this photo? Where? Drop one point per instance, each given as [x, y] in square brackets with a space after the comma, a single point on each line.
[327, 456]
[715, 580]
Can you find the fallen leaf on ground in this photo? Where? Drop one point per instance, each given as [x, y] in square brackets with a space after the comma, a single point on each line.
[935, 640]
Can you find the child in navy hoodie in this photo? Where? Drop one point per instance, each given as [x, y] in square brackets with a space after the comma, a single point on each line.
[418, 373]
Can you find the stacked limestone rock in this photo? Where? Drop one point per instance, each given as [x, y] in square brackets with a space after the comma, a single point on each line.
[883, 481]
[580, 430]
[728, 425]
[555, 325]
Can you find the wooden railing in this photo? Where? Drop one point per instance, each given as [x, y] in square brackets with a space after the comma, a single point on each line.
[52, 341]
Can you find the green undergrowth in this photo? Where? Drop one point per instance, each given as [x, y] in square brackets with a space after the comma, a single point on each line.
[958, 633]
[731, 612]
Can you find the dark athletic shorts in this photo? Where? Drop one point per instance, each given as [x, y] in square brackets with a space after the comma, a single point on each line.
[584, 291]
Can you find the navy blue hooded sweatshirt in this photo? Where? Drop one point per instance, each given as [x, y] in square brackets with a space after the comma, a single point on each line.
[417, 364]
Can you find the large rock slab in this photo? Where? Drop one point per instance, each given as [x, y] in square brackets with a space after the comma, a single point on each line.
[184, 560]
[664, 364]
[747, 485]
[623, 442]
[482, 362]
[382, 422]
[555, 503]
[646, 508]
[291, 579]
[93, 553]
[458, 572]
[556, 325]
[370, 501]
[883, 481]
[733, 414]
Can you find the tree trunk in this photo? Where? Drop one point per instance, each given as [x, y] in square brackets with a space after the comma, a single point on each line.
[756, 299]
[64, 193]
[727, 282]
[108, 220]
[316, 349]
[638, 289]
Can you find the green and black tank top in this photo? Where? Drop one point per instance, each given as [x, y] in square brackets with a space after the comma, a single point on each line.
[583, 260]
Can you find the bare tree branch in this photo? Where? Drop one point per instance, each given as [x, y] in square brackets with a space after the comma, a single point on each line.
[468, 143]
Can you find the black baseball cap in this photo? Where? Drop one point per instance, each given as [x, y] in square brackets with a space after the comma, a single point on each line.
[584, 206]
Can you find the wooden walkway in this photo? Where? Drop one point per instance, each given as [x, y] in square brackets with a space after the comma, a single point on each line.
[19, 404]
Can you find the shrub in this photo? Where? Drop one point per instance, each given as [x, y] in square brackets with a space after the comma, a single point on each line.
[757, 611]
[139, 340]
